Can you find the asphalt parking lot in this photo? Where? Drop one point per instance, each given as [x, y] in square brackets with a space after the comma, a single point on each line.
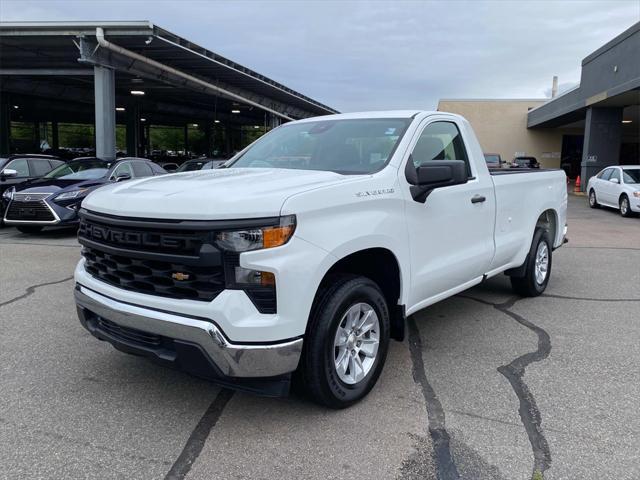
[488, 386]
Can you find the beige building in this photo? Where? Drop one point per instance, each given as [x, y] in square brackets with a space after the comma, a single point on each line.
[501, 127]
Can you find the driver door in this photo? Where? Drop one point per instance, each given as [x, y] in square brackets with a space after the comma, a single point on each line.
[451, 233]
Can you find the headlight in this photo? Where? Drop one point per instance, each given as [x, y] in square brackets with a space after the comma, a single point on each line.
[257, 238]
[636, 194]
[72, 194]
[7, 195]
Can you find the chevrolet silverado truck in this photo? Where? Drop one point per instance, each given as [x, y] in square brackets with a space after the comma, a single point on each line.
[303, 256]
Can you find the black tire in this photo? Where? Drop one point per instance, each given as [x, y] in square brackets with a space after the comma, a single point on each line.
[593, 201]
[29, 229]
[625, 206]
[317, 371]
[528, 285]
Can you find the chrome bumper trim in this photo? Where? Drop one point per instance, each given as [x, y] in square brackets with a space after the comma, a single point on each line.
[233, 360]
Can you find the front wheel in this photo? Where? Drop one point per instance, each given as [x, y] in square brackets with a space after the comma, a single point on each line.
[593, 201]
[29, 229]
[625, 208]
[537, 267]
[346, 343]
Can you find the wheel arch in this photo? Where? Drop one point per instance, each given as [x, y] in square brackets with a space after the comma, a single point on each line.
[548, 220]
[380, 265]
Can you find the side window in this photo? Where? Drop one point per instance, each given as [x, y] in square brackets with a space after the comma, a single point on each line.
[615, 173]
[440, 141]
[141, 169]
[19, 165]
[39, 168]
[606, 174]
[157, 169]
[55, 163]
[122, 169]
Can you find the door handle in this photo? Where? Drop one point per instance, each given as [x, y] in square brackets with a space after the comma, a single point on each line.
[478, 199]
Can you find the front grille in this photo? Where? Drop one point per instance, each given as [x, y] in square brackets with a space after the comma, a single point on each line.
[28, 197]
[155, 277]
[127, 334]
[31, 210]
[168, 258]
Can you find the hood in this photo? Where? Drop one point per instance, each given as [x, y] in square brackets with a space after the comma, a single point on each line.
[209, 194]
[58, 185]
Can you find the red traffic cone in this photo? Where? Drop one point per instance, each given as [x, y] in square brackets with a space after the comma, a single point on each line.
[577, 189]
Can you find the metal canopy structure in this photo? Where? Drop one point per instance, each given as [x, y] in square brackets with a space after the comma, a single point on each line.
[82, 71]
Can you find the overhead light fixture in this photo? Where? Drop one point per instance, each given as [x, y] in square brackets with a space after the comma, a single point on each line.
[216, 121]
[235, 111]
[119, 109]
[143, 119]
[16, 107]
[626, 121]
[137, 92]
[194, 124]
[256, 126]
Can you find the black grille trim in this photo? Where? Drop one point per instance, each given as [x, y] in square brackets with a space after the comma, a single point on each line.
[155, 277]
[143, 255]
[129, 334]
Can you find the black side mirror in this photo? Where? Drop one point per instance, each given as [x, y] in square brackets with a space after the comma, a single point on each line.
[433, 174]
[122, 177]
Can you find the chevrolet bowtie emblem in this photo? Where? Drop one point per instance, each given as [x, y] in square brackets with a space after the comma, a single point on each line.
[180, 276]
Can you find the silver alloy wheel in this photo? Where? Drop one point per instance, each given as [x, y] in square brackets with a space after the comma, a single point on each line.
[592, 198]
[542, 262]
[624, 206]
[356, 343]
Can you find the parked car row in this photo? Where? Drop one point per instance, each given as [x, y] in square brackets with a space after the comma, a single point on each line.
[41, 190]
[494, 160]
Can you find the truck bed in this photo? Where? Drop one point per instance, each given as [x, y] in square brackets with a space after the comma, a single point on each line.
[510, 171]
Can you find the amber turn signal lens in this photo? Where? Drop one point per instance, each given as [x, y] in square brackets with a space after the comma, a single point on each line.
[276, 236]
[267, 279]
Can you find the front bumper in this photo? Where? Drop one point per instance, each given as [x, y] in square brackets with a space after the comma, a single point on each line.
[167, 336]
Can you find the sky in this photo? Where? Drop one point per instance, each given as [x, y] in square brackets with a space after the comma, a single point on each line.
[379, 55]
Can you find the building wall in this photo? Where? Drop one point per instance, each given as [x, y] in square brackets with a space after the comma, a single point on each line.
[501, 127]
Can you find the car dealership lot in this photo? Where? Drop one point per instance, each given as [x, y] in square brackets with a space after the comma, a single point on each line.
[480, 380]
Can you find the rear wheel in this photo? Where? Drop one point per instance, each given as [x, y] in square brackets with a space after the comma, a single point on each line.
[593, 202]
[625, 207]
[346, 343]
[29, 229]
[537, 267]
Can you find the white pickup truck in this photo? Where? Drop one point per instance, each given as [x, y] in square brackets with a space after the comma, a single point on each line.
[307, 252]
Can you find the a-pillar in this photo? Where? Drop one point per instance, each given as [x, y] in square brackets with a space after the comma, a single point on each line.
[105, 109]
[602, 140]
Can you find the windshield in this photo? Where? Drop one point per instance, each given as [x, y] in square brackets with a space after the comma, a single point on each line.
[631, 175]
[342, 146]
[85, 169]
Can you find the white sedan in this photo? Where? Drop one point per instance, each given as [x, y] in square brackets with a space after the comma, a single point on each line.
[617, 187]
